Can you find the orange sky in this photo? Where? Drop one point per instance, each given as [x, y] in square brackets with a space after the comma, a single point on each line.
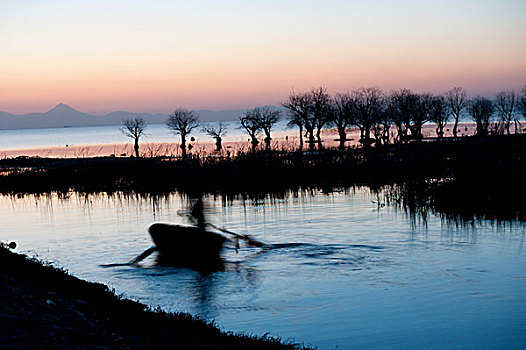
[104, 56]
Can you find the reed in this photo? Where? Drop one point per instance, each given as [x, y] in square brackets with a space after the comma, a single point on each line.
[488, 170]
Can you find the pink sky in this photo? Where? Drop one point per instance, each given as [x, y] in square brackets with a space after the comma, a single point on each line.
[99, 57]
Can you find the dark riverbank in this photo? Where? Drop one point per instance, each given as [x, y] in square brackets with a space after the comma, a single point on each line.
[470, 177]
[42, 307]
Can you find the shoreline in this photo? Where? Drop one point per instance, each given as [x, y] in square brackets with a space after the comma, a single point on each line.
[458, 176]
[281, 141]
[47, 308]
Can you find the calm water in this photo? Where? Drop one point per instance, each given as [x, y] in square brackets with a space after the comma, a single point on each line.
[58, 137]
[342, 273]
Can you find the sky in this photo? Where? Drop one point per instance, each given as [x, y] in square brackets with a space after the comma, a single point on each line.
[158, 55]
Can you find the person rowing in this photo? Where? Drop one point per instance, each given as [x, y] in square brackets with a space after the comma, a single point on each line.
[190, 245]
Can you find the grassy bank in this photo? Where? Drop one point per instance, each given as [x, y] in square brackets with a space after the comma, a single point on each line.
[484, 175]
[42, 307]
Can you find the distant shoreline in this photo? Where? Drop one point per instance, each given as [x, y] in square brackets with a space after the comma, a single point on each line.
[152, 149]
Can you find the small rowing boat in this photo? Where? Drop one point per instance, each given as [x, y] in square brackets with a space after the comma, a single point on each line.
[187, 245]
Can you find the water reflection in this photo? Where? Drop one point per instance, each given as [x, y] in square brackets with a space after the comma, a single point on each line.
[345, 268]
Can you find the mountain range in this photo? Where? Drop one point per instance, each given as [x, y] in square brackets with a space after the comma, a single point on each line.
[63, 115]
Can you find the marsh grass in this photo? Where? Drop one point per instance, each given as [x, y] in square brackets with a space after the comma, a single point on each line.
[475, 177]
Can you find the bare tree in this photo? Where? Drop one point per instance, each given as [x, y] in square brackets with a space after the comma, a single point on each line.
[507, 107]
[266, 118]
[480, 110]
[398, 106]
[342, 116]
[382, 125]
[249, 122]
[420, 114]
[438, 113]
[299, 106]
[367, 104]
[321, 110]
[217, 132]
[456, 100]
[134, 128]
[295, 120]
[182, 122]
[313, 109]
[409, 112]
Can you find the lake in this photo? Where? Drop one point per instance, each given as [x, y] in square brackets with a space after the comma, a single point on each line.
[343, 271]
[100, 135]
[26, 139]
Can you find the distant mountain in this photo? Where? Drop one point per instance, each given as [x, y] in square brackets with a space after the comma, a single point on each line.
[63, 115]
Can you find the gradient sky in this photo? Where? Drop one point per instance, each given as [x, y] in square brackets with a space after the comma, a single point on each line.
[156, 55]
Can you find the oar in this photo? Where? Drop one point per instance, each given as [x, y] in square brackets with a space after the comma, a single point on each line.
[138, 259]
[251, 241]
[144, 255]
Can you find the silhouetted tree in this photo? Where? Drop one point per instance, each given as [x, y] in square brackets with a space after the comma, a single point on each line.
[299, 106]
[217, 132]
[249, 122]
[134, 128]
[439, 114]
[523, 101]
[321, 110]
[456, 100]
[507, 106]
[420, 114]
[367, 104]
[382, 123]
[295, 120]
[400, 108]
[409, 112]
[266, 118]
[382, 126]
[342, 116]
[480, 110]
[183, 122]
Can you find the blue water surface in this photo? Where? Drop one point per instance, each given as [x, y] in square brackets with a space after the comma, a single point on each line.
[341, 273]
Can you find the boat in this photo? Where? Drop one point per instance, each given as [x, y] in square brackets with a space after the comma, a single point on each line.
[184, 245]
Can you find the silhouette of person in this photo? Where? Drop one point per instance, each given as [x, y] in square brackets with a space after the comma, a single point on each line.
[198, 214]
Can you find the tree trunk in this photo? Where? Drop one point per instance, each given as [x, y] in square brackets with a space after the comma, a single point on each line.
[385, 134]
[301, 138]
[318, 138]
[440, 131]
[267, 142]
[343, 138]
[254, 143]
[136, 147]
[219, 145]
[400, 133]
[482, 128]
[455, 127]
[311, 139]
[183, 146]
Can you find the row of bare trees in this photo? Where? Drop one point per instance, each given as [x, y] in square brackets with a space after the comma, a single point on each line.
[182, 122]
[376, 113]
[381, 118]
[260, 119]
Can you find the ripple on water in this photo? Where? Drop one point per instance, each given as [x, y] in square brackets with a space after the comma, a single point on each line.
[337, 270]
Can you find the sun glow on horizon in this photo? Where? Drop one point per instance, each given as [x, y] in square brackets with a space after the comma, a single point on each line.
[114, 55]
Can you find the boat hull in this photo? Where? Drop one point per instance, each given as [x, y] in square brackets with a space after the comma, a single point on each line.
[187, 245]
